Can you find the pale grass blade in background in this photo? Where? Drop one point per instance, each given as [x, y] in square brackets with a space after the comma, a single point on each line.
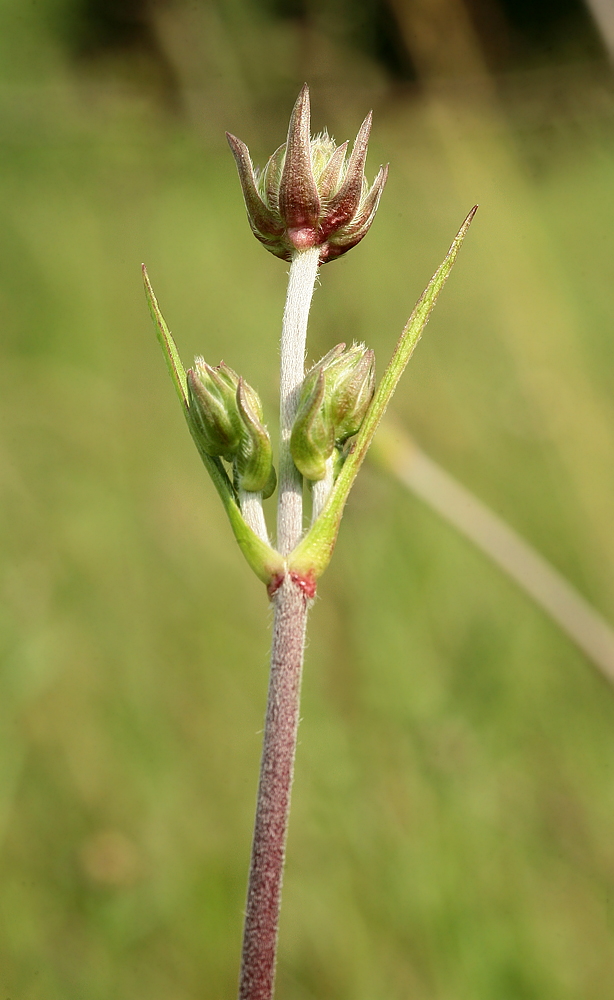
[395, 451]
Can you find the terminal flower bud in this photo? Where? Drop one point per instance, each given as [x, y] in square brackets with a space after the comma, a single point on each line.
[308, 195]
[226, 413]
[335, 396]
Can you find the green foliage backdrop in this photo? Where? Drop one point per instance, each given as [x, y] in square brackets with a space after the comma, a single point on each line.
[452, 832]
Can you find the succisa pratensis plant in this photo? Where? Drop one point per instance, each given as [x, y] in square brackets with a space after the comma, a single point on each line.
[308, 206]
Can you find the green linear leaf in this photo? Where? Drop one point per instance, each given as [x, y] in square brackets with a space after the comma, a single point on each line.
[171, 354]
[313, 553]
[266, 563]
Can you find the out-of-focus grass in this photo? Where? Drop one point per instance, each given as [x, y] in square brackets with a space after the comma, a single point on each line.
[453, 818]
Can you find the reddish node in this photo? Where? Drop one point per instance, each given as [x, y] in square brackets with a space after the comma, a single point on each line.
[275, 584]
[307, 582]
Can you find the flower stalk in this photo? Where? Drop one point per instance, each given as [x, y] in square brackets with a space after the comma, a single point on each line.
[252, 511]
[321, 489]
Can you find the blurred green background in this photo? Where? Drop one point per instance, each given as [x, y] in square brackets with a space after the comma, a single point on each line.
[452, 835]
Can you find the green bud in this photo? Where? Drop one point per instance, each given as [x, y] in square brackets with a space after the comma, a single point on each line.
[352, 382]
[325, 362]
[312, 441]
[254, 460]
[227, 415]
[335, 396]
[213, 408]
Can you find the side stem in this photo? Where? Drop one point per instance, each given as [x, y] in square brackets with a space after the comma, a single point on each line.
[258, 960]
[320, 490]
[253, 514]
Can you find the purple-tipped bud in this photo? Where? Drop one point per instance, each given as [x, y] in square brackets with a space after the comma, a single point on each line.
[307, 195]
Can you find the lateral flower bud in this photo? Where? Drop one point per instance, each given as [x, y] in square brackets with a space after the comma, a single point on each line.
[226, 413]
[312, 441]
[254, 461]
[352, 379]
[307, 195]
[213, 408]
[334, 399]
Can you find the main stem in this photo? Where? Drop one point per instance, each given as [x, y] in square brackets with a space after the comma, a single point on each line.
[273, 808]
[303, 271]
[258, 960]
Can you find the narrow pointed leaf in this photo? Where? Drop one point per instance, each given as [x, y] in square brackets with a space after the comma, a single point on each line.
[266, 563]
[312, 555]
[269, 183]
[171, 354]
[363, 218]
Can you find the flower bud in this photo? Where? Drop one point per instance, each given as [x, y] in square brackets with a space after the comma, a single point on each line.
[334, 399]
[213, 408]
[227, 415]
[307, 195]
[352, 381]
[254, 461]
[312, 441]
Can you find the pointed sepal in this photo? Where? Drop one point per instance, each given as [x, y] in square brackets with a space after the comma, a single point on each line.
[299, 201]
[254, 460]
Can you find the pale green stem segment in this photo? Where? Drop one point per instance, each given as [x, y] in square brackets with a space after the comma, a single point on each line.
[266, 563]
[311, 557]
[303, 273]
[253, 514]
[320, 490]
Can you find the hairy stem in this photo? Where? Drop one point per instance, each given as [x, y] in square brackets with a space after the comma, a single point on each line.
[303, 272]
[273, 807]
[253, 514]
[320, 490]
[279, 746]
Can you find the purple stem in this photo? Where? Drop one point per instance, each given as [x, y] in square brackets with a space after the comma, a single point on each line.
[257, 977]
